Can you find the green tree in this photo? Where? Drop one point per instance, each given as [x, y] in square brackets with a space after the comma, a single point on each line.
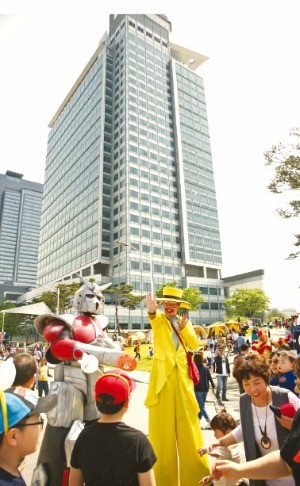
[122, 295]
[59, 299]
[246, 302]
[286, 162]
[193, 296]
[274, 314]
[10, 322]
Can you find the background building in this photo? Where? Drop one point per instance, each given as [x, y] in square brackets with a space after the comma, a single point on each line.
[249, 280]
[129, 160]
[20, 217]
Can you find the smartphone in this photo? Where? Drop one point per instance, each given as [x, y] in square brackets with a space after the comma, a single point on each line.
[275, 410]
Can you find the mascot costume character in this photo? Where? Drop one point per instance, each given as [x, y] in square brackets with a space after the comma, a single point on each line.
[78, 346]
[263, 346]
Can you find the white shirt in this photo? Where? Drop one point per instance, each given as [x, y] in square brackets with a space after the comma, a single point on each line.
[266, 416]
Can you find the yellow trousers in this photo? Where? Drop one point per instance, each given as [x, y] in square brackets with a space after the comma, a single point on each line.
[175, 434]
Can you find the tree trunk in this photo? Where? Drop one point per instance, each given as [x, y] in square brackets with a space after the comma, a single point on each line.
[117, 319]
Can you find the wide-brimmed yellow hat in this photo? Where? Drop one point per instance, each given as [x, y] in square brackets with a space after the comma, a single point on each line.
[170, 294]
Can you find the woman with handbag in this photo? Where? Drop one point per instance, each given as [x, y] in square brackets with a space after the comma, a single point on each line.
[173, 409]
[201, 388]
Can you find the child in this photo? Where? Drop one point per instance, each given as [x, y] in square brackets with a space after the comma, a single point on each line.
[222, 424]
[26, 369]
[43, 377]
[137, 351]
[118, 441]
[20, 427]
[287, 375]
[273, 367]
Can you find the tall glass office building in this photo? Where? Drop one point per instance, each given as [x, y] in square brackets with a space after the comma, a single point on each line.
[129, 161]
[20, 218]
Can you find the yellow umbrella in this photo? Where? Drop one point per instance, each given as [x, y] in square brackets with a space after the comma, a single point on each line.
[217, 328]
[234, 325]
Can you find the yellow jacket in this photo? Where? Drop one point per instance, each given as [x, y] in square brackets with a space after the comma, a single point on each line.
[166, 357]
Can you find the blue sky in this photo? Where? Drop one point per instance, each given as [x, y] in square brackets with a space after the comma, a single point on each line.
[252, 91]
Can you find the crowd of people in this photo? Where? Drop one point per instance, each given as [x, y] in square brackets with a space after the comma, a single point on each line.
[267, 376]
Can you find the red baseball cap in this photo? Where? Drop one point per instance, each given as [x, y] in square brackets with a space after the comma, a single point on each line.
[115, 383]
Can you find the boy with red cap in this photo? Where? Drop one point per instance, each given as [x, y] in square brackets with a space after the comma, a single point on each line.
[109, 451]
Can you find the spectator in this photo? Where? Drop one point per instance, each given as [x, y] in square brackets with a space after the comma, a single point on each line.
[26, 369]
[273, 367]
[222, 369]
[201, 388]
[38, 354]
[137, 351]
[239, 341]
[261, 432]
[174, 428]
[20, 427]
[277, 464]
[234, 340]
[238, 359]
[254, 336]
[222, 424]
[287, 376]
[43, 373]
[134, 453]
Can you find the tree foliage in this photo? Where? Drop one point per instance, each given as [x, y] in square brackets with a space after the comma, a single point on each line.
[60, 299]
[275, 314]
[10, 322]
[286, 162]
[246, 302]
[122, 295]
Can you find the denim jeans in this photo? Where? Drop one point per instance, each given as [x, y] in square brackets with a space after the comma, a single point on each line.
[221, 384]
[201, 399]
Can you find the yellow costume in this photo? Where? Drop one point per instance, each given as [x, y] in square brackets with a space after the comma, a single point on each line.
[174, 429]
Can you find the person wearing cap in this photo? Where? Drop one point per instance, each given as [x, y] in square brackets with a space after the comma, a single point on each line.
[174, 430]
[20, 427]
[109, 452]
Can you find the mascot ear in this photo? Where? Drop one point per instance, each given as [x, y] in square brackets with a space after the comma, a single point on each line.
[50, 358]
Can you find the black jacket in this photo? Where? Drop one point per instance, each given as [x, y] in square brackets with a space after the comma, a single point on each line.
[218, 365]
[205, 379]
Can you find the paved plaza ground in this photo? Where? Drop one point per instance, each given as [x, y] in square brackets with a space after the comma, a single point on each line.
[137, 415]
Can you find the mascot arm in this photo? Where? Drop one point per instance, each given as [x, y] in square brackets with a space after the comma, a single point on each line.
[70, 350]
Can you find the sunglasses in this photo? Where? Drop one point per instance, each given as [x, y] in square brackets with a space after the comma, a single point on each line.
[40, 422]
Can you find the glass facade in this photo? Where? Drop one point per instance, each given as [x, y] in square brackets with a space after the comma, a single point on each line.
[129, 160]
[20, 214]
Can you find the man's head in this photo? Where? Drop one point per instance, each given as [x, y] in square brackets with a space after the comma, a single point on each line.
[112, 391]
[20, 420]
[244, 349]
[172, 301]
[26, 368]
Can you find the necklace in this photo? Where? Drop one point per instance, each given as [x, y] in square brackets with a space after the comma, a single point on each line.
[265, 441]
